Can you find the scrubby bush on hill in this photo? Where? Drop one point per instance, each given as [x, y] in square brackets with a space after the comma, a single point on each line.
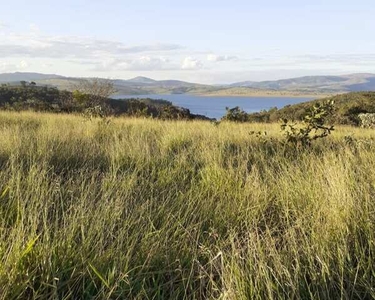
[313, 126]
[235, 114]
[367, 120]
[346, 112]
[50, 99]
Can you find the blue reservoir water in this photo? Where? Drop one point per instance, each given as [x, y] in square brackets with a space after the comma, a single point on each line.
[214, 107]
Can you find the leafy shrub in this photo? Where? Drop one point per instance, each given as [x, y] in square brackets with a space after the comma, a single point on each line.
[235, 114]
[94, 112]
[170, 112]
[367, 120]
[313, 126]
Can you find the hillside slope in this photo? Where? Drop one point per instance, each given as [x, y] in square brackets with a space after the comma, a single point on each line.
[352, 82]
[294, 87]
[347, 108]
[26, 76]
[49, 99]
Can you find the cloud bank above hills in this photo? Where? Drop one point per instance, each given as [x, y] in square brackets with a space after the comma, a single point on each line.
[195, 41]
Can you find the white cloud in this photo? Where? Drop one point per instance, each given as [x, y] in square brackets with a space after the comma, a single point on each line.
[4, 67]
[99, 55]
[191, 63]
[34, 29]
[354, 59]
[218, 58]
[11, 67]
[36, 45]
[147, 62]
[3, 25]
[47, 65]
[142, 63]
[87, 56]
[23, 64]
[7, 67]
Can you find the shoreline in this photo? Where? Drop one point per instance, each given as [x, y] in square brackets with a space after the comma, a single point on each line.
[260, 95]
[265, 94]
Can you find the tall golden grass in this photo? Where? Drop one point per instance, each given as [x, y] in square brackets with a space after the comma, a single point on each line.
[147, 209]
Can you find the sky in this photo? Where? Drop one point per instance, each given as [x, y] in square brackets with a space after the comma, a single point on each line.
[201, 41]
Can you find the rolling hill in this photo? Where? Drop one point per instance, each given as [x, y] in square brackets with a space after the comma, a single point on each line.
[302, 86]
[353, 82]
[347, 107]
[19, 76]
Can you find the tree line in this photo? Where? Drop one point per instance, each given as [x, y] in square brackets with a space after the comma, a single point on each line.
[87, 95]
[347, 111]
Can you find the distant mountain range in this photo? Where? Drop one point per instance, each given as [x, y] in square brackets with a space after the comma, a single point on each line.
[302, 86]
[348, 83]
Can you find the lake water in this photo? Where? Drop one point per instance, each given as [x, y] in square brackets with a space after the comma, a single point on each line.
[214, 107]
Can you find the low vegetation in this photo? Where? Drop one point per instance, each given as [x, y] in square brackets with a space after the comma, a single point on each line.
[346, 111]
[367, 120]
[86, 96]
[148, 209]
[235, 114]
[312, 128]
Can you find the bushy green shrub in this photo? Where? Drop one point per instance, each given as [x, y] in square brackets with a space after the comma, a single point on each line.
[235, 114]
[367, 120]
[313, 126]
[170, 112]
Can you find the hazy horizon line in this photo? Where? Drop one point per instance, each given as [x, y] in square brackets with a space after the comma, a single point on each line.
[193, 82]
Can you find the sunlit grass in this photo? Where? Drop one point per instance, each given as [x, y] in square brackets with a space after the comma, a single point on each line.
[147, 209]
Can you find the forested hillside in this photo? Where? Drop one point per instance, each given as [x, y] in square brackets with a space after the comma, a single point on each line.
[50, 99]
[347, 108]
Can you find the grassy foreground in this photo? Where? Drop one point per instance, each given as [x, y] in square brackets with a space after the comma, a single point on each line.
[146, 209]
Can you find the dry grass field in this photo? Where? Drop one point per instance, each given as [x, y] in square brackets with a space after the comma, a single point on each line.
[148, 209]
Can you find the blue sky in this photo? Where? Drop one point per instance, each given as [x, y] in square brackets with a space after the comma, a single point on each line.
[202, 41]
